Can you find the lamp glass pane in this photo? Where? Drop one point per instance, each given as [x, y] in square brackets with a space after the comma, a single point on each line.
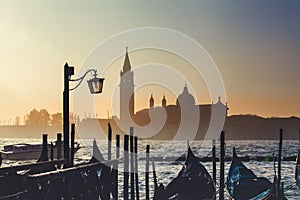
[95, 85]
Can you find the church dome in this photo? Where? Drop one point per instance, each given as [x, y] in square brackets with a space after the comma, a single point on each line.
[185, 98]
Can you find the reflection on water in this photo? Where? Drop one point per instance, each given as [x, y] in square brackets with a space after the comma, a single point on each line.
[166, 170]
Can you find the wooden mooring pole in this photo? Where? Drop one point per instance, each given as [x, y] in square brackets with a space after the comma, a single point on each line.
[131, 165]
[214, 163]
[58, 145]
[72, 143]
[279, 157]
[51, 151]
[109, 142]
[136, 168]
[154, 175]
[44, 154]
[117, 166]
[147, 172]
[126, 167]
[115, 170]
[118, 146]
[222, 166]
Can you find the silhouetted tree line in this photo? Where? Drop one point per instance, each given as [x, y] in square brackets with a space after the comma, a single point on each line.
[43, 118]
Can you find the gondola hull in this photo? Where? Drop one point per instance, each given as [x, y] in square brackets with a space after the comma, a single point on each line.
[255, 189]
[191, 189]
[192, 183]
[242, 183]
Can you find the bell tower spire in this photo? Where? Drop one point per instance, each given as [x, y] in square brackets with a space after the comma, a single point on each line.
[126, 65]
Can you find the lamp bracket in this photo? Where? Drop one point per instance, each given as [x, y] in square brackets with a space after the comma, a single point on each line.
[80, 79]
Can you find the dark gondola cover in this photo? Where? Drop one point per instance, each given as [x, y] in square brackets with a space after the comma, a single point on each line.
[192, 183]
[242, 183]
[297, 174]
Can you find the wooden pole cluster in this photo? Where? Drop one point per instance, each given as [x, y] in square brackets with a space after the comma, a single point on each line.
[130, 164]
[130, 160]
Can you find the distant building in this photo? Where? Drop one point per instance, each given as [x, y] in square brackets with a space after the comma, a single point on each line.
[177, 119]
[184, 109]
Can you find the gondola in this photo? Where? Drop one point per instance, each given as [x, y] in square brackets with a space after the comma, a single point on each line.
[242, 183]
[106, 184]
[193, 182]
[97, 155]
[27, 151]
[297, 174]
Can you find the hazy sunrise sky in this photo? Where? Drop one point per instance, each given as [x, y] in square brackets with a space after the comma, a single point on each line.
[255, 44]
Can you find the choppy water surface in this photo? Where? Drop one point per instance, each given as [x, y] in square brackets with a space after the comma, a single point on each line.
[167, 170]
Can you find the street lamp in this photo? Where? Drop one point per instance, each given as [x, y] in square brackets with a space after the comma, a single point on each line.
[95, 85]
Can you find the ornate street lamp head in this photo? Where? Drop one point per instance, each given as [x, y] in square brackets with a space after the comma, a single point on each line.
[95, 85]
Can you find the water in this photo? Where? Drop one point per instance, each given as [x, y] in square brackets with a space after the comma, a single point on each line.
[167, 170]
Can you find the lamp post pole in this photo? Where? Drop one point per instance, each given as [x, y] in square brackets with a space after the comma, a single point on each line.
[68, 72]
[95, 85]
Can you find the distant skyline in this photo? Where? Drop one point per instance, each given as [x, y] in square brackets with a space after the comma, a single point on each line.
[255, 45]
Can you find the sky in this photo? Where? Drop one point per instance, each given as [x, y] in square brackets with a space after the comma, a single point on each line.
[255, 45]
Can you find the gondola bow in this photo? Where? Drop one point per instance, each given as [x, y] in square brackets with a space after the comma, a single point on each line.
[193, 182]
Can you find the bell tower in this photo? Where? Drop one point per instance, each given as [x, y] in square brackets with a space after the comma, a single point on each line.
[126, 90]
